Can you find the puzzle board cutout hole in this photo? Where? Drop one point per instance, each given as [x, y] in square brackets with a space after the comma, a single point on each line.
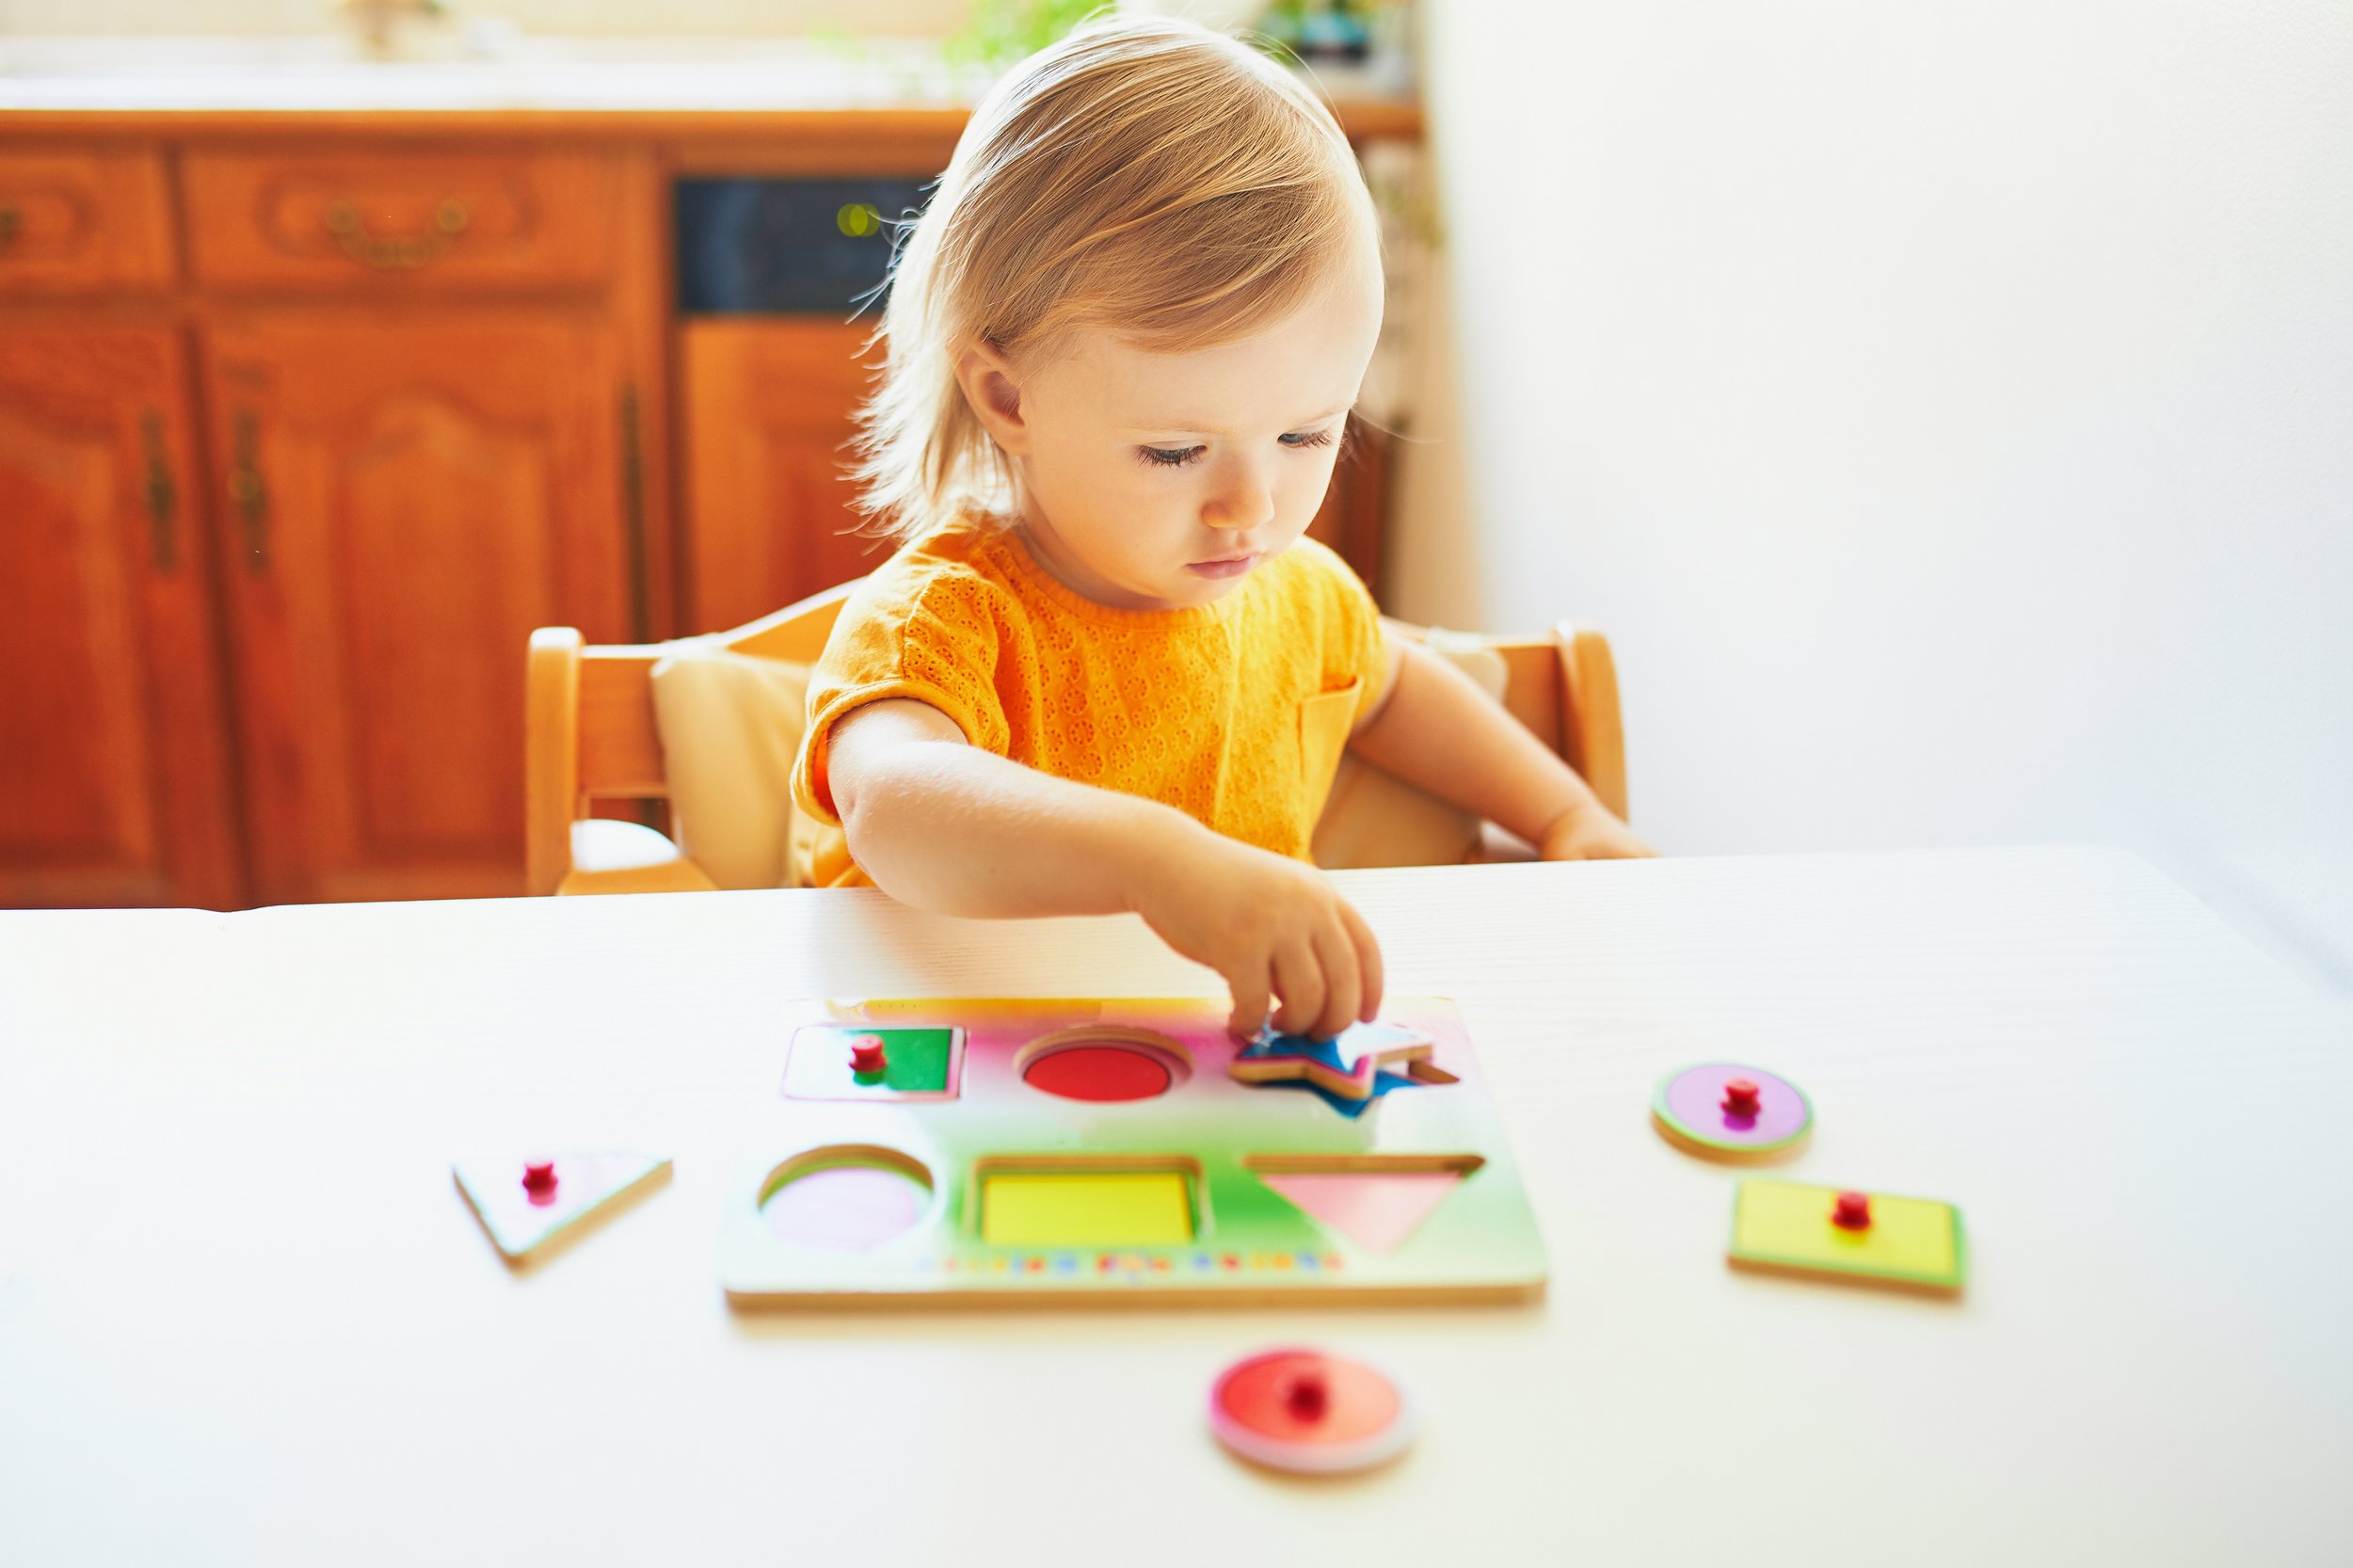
[1105, 1064]
[1077, 1206]
[1374, 1201]
[846, 1199]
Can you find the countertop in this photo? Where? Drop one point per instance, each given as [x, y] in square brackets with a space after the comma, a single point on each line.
[76, 81]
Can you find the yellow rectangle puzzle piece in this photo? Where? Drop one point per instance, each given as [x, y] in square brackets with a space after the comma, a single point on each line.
[1786, 1227]
[1085, 1208]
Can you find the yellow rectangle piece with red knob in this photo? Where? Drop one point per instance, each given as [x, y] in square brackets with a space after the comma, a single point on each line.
[1869, 1237]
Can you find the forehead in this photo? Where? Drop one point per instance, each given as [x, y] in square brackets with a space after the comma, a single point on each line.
[1301, 367]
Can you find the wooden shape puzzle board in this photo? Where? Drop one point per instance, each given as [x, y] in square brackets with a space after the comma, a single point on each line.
[1028, 1196]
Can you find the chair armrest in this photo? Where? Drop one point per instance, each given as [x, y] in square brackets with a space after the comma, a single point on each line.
[1592, 737]
[550, 756]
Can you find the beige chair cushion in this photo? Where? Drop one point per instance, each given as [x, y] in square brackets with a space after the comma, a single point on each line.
[1373, 818]
[613, 856]
[730, 726]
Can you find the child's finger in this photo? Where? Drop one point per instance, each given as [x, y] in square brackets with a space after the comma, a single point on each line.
[1251, 997]
[1368, 962]
[1335, 951]
[1299, 981]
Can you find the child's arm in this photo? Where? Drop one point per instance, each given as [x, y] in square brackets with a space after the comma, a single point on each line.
[943, 824]
[1435, 728]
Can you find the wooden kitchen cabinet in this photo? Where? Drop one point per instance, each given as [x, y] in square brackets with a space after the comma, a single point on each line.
[113, 769]
[76, 221]
[417, 222]
[402, 502]
[766, 426]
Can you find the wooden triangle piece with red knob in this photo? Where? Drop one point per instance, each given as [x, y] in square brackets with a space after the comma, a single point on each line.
[532, 1204]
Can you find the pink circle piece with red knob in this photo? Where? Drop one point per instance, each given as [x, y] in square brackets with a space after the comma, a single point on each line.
[1303, 1411]
[1725, 1110]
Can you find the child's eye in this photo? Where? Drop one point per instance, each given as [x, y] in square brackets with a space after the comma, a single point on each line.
[1179, 456]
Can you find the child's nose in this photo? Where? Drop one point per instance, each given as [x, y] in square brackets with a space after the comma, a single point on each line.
[1247, 502]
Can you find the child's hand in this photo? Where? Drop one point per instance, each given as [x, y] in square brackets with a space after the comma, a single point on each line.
[1591, 833]
[1269, 925]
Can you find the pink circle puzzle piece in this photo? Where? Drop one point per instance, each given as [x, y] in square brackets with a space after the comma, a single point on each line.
[1728, 1112]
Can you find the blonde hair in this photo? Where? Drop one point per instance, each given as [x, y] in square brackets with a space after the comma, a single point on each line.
[1145, 175]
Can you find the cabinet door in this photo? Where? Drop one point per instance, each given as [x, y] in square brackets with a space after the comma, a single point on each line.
[113, 756]
[404, 500]
[765, 420]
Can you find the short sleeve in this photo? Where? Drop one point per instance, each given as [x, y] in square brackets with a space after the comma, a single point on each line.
[931, 638]
[1363, 645]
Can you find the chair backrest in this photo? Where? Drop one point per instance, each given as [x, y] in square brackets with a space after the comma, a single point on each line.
[1563, 687]
[590, 720]
[590, 732]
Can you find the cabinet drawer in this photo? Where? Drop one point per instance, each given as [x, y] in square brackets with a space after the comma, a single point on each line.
[74, 222]
[378, 221]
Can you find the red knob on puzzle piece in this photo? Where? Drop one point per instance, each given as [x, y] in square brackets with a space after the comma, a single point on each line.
[866, 1053]
[1740, 1096]
[1308, 1397]
[539, 1178]
[1854, 1211]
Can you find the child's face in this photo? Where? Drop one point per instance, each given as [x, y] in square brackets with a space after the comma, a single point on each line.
[1160, 481]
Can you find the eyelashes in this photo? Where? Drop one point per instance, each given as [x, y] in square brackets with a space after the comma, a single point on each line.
[1170, 457]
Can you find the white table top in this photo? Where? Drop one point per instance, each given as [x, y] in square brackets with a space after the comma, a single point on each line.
[246, 1318]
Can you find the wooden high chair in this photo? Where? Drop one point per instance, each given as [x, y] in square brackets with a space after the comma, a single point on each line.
[590, 736]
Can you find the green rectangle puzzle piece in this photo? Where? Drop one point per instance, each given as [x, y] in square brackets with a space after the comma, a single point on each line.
[915, 1062]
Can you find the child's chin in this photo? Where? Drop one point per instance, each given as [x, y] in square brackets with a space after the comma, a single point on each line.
[1210, 590]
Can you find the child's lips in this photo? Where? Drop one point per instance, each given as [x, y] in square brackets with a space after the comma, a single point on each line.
[1230, 566]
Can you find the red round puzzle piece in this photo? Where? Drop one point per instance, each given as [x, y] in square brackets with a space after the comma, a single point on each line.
[1853, 1212]
[1302, 1410]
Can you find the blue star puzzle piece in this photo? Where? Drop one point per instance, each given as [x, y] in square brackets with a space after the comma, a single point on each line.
[1345, 1071]
[1351, 1109]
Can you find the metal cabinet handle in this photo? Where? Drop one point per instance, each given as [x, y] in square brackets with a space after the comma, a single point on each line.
[246, 491]
[395, 253]
[163, 496]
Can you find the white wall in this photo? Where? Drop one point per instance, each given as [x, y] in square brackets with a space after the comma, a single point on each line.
[1948, 409]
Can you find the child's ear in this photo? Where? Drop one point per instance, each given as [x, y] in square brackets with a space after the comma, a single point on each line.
[994, 394]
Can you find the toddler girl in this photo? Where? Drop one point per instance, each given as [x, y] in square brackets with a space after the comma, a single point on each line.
[1105, 672]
